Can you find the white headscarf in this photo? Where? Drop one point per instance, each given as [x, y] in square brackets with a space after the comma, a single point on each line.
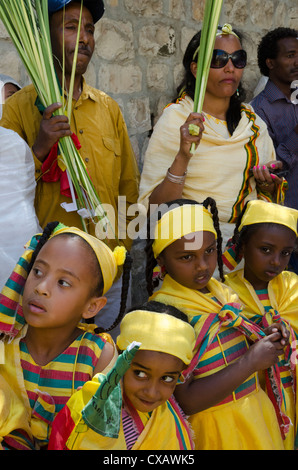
[3, 80]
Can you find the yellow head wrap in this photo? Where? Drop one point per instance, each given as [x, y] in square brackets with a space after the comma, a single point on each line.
[108, 260]
[258, 212]
[158, 332]
[181, 221]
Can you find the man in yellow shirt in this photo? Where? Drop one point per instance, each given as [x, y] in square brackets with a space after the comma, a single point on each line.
[96, 120]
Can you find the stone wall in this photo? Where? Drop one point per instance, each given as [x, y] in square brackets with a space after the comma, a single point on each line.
[140, 45]
[138, 55]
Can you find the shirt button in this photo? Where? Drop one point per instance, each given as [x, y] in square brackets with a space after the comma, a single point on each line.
[81, 131]
[87, 160]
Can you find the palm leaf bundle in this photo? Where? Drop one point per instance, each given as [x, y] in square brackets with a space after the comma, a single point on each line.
[212, 13]
[27, 23]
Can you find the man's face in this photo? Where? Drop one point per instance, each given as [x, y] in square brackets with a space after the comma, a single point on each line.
[64, 29]
[284, 69]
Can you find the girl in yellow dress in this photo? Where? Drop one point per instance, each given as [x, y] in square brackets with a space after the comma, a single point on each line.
[228, 409]
[265, 237]
[132, 407]
[49, 348]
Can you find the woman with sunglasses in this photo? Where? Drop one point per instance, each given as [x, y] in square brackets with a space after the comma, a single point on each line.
[234, 158]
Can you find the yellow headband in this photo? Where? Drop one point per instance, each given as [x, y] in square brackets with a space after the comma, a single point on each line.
[226, 29]
[181, 221]
[108, 260]
[258, 212]
[158, 332]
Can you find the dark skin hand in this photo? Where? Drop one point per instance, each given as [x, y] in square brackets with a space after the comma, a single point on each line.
[52, 128]
[262, 175]
[208, 391]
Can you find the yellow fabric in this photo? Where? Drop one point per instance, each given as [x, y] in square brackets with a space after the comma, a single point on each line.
[282, 291]
[258, 212]
[108, 260]
[246, 424]
[224, 158]
[12, 372]
[13, 415]
[159, 432]
[241, 422]
[181, 221]
[283, 297]
[175, 336]
[106, 150]
[193, 302]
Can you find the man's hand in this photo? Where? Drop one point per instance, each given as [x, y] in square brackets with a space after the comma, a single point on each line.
[52, 128]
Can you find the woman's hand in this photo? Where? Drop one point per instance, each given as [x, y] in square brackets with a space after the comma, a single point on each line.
[265, 180]
[191, 133]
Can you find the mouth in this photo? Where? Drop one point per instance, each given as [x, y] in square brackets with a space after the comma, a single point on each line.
[146, 403]
[272, 273]
[36, 307]
[84, 52]
[230, 81]
[202, 279]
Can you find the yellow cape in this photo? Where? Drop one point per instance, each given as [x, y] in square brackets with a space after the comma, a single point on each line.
[283, 296]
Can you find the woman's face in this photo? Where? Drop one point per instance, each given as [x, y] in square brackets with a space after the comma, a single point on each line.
[223, 82]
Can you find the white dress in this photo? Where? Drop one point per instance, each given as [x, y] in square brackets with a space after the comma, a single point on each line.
[17, 191]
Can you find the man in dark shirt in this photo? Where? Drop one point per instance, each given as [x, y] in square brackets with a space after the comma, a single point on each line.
[277, 104]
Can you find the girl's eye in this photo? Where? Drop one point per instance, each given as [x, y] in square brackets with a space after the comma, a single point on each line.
[286, 253]
[186, 257]
[37, 272]
[63, 283]
[265, 249]
[140, 374]
[168, 379]
[209, 251]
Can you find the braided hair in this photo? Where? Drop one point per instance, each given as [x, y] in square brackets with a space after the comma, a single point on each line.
[48, 231]
[188, 84]
[124, 291]
[151, 261]
[159, 307]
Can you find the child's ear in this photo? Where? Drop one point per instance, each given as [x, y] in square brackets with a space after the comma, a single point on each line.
[94, 306]
[159, 260]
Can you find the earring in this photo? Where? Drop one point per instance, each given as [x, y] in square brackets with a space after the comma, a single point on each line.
[237, 93]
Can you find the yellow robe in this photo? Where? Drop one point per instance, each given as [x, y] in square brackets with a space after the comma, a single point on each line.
[246, 420]
[283, 298]
[165, 429]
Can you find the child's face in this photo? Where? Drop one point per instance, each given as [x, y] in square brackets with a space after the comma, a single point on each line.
[189, 263]
[267, 254]
[151, 379]
[58, 289]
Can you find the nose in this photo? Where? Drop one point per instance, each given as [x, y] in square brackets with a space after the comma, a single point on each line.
[229, 65]
[275, 259]
[201, 264]
[83, 35]
[43, 288]
[152, 392]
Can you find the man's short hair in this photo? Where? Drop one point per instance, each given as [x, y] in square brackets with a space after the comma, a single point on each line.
[268, 47]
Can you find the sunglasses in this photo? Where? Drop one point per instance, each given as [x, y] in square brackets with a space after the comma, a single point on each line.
[220, 58]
